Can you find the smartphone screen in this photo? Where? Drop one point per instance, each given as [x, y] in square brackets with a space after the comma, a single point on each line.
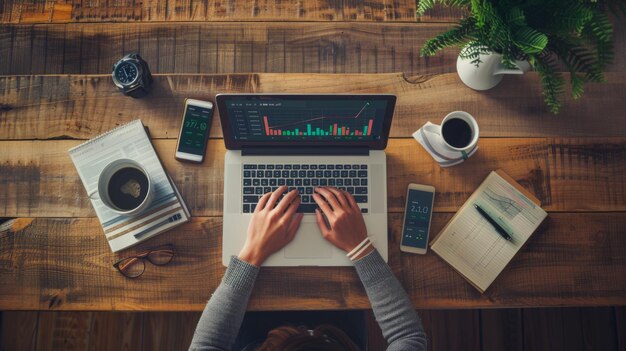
[195, 129]
[417, 218]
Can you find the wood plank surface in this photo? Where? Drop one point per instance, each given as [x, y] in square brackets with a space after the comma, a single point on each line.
[570, 329]
[55, 11]
[501, 329]
[59, 107]
[620, 323]
[63, 331]
[452, 330]
[18, 330]
[169, 331]
[116, 331]
[76, 273]
[39, 180]
[62, 11]
[235, 47]
[224, 47]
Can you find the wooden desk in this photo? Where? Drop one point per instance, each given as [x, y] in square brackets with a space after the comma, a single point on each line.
[55, 93]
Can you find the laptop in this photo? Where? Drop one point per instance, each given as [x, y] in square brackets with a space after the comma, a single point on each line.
[304, 141]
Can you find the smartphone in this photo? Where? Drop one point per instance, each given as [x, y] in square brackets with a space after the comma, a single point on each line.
[418, 213]
[194, 130]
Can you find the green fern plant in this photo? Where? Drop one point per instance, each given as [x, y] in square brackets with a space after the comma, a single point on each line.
[553, 35]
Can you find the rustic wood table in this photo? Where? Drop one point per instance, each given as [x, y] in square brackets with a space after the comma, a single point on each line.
[56, 91]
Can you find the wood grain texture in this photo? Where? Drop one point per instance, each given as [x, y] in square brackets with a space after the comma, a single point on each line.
[501, 329]
[620, 325]
[577, 259]
[452, 330]
[224, 47]
[231, 47]
[570, 329]
[39, 179]
[169, 331]
[63, 331]
[599, 329]
[59, 107]
[543, 329]
[58, 11]
[18, 330]
[116, 331]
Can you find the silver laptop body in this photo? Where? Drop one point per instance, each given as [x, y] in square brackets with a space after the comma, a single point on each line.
[308, 248]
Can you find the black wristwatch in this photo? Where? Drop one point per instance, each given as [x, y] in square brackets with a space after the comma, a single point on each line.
[131, 76]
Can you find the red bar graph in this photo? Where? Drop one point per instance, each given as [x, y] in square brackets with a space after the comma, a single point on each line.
[267, 125]
[306, 129]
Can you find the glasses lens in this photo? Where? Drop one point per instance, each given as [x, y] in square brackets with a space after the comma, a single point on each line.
[161, 257]
[132, 267]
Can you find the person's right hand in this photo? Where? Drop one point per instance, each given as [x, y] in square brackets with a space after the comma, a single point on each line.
[273, 225]
[346, 226]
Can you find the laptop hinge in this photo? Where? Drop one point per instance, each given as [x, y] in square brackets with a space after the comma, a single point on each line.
[305, 151]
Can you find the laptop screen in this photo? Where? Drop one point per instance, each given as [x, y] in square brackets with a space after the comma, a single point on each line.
[329, 120]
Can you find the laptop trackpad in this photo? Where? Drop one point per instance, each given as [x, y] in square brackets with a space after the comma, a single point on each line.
[309, 243]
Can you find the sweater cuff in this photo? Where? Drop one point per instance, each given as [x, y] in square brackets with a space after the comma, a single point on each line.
[240, 275]
[372, 268]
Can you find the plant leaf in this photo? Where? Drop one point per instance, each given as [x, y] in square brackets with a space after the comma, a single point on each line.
[530, 41]
[552, 83]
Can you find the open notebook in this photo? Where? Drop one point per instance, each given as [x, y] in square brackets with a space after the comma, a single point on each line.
[167, 208]
[471, 244]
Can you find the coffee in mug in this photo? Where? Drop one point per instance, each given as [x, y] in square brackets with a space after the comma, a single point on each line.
[128, 188]
[459, 131]
[125, 187]
[456, 132]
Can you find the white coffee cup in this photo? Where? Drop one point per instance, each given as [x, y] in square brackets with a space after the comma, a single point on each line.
[462, 137]
[132, 187]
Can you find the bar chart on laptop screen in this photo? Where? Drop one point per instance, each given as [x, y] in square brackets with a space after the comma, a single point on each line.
[307, 120]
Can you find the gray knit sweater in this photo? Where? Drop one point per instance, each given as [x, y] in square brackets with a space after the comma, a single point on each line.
[219, 325]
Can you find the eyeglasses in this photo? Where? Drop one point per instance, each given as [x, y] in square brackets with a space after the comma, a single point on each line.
[134, 266]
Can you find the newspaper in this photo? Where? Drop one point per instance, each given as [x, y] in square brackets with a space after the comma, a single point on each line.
[167, 208]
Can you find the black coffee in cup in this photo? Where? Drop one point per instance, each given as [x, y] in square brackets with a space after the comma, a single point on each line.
[127, 188]
[456, 132]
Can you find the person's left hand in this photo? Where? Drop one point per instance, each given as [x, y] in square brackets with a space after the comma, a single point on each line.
[272, 226]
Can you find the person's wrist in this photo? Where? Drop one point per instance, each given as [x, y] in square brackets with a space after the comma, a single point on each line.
[251, 256]
[364, 253]
[355, 244]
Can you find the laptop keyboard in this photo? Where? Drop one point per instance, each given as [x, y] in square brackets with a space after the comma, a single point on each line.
[259, 179]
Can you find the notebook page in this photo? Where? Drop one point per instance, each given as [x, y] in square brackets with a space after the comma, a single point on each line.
[128, 141]
[471, 244]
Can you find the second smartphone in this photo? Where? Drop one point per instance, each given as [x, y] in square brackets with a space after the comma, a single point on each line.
[418, 213]
[194, 130]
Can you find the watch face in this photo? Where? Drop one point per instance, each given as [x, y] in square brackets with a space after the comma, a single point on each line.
[126, 72]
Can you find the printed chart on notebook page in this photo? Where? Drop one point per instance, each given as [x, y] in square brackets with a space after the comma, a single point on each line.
[472, 244]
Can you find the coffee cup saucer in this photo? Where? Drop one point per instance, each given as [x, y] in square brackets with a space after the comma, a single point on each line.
[433, 143]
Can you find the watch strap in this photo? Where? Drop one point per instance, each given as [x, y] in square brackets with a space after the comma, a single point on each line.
[146, 83]
[138, 92]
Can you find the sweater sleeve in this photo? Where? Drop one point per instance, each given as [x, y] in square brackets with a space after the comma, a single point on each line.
[400, 324]
[220, 321]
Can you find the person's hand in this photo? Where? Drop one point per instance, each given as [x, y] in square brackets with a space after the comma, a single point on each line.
[272, 226]
[346, 227]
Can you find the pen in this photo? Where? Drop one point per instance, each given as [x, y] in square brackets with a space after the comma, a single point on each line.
[495, 224]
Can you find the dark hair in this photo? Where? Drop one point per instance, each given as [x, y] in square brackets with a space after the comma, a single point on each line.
[322, 338]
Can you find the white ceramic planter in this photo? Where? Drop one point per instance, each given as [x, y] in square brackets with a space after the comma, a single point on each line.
[489, 72]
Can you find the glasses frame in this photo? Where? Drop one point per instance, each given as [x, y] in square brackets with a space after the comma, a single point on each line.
[145, 256]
